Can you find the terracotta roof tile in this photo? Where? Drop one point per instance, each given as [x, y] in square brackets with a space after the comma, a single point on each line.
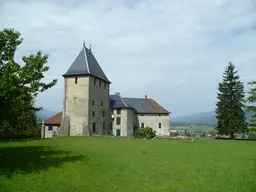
[54, 120]
[156, 108]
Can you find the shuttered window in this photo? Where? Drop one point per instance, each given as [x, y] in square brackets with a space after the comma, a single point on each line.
[118, 120]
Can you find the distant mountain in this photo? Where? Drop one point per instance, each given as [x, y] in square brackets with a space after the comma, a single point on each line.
[204, 118]
[45, 114]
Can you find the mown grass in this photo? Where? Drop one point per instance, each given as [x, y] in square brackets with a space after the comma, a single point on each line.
[74, 164]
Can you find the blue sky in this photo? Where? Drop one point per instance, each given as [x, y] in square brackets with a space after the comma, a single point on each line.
[172, 51]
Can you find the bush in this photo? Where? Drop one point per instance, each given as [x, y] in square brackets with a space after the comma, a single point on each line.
[174, 134]
[188, 134]
[146, 132]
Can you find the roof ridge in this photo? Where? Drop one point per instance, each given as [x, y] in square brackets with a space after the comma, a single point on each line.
[133, 98]
[86, 60]
[123, 101]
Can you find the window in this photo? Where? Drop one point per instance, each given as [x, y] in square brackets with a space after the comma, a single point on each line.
[94, 81]
[100, 83]
[93, 102]
[76, 80]
[118, 120]
[101, 103]
[103, 115]
[50, 128]
[93, 113]
[118, 111]
[75, 100]
[118, 132]
[159, 125]
[142, 125]
[94, 128]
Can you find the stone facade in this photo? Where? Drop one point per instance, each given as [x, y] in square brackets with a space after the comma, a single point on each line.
[123, 122]
[159, 122]
[99, 114]
[76, 104]
[50, 131]
[87, 105]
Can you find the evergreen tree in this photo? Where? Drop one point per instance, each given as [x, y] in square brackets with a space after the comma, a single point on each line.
[19, 85]
[252, 103]
[230, 106]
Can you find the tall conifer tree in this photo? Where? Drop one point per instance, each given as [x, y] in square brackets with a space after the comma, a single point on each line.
[252, 103]
[230, 106]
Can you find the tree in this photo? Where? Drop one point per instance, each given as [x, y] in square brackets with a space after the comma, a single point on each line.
[19, 85]
[252, 102]
[230, 106]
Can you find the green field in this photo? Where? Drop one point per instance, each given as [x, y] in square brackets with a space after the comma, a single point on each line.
[81, 164]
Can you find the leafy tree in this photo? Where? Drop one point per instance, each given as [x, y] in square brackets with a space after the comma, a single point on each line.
[230, 106]
[19, 85]
[252, 103]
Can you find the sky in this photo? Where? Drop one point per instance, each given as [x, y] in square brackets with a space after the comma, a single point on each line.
[172, 51]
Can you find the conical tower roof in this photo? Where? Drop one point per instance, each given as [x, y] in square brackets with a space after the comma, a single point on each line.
[86, 64]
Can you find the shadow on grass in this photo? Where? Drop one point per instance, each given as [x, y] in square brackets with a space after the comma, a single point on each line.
[25, 160]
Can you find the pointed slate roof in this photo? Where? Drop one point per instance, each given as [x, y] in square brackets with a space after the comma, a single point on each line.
[86, 64]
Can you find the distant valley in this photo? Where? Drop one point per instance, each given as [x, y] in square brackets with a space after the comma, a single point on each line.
[204, 118]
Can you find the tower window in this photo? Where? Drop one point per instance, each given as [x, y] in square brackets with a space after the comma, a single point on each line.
[103, 115]
[93, 102]
[93, 113]
[94, 128]
[75, 100]
[101, 103]
[159, 125]
[76, 80]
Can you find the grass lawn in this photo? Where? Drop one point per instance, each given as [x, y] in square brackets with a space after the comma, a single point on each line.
[74, 164]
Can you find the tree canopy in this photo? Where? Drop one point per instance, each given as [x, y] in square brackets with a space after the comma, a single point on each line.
[19, 86]
[230, 106]
[252, 102]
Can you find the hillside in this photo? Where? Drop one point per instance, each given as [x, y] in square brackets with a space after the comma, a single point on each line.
[204, 118]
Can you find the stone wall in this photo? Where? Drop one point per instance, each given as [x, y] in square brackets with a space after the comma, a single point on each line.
[98, 105]
[126, 126]
[152, 120]
[76, 104]
[50, 133]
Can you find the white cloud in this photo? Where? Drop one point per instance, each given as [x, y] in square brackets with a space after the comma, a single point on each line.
[173, 51]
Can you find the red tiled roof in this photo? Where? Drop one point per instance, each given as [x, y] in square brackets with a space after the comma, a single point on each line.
[54, 120]
[156, 107]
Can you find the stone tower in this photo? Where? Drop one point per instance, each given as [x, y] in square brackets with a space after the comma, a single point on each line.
[86, 97]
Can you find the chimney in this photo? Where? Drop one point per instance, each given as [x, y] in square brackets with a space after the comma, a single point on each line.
[146, 97]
